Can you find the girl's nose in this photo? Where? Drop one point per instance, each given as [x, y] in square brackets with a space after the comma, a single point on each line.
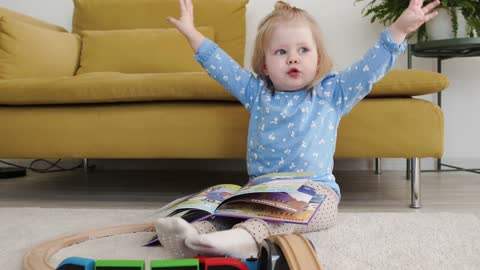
[292, 61]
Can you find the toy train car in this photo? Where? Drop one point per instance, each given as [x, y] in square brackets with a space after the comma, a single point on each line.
[198, 263]
[279, 252]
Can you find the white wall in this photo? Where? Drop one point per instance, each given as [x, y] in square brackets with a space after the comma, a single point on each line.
[348, 36]
[58, 12]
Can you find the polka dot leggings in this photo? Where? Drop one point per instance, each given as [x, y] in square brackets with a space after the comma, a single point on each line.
[324, 218]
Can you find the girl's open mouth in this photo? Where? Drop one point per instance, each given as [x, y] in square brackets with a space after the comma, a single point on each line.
[293, 72]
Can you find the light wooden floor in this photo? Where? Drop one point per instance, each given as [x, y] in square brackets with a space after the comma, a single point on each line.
[361, 190]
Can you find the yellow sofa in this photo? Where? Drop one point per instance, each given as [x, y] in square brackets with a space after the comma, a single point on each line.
[125, 85]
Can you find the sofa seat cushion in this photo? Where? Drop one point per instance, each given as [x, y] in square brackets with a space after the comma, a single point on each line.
[104, 87]
[409, 82]
[107, 87]
[389, 127]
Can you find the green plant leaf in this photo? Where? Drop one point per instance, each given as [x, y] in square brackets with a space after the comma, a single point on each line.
[387, 11]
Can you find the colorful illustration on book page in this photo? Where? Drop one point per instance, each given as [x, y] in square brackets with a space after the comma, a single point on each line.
[207, 199]
[249, 210]
[283, 185]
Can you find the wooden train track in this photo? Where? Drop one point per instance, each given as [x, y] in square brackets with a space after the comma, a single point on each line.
[38, 257]
[298, 251]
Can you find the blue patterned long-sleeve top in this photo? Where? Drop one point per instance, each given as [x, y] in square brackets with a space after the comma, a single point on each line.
[296, 131]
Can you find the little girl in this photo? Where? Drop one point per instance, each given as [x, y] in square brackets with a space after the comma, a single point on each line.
[295, 104]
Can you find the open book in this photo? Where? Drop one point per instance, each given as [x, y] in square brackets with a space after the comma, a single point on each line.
[273, 197]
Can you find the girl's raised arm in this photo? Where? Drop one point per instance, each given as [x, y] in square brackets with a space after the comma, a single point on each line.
[241, 83]
[346, 89]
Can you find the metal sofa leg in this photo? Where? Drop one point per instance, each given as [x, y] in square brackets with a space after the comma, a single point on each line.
[409, 168]
[415, 183]
[85, 165]
[378, 166]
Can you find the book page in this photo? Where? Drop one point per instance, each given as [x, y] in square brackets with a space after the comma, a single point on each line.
[286, 191]
[275, 182]
[279, 200]
[206, 200]
[265, 212]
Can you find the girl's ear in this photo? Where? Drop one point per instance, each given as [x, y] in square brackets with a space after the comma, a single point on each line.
[265, 70]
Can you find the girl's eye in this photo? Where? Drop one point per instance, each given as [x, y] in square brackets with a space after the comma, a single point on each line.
[303, 50]
[281, 52]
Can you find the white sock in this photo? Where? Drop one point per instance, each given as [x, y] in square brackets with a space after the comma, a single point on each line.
[172, 232]
[236, 243]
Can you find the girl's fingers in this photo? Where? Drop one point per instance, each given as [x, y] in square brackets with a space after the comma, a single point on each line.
[189, 6]
[172, 20]
[430, 16]
[414, 3]
[183, 7]
[426, 9]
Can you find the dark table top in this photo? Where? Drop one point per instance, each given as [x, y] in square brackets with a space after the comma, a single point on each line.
[447, 48]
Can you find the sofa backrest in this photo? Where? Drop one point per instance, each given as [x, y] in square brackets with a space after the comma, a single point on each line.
[32, 48]
[226, 17]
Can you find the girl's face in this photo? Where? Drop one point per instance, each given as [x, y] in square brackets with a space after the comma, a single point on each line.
[291, 57]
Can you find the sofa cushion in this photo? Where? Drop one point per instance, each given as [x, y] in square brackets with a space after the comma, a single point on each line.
[104, 87]
[30, 20]
[226, 17]
[100, 87]
[389, 127]
[409, 82]
[138, 51]
[31, 51]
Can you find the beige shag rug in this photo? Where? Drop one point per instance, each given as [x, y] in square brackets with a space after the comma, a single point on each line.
[358, 241]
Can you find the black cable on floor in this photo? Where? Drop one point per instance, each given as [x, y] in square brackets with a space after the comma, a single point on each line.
[48, 169]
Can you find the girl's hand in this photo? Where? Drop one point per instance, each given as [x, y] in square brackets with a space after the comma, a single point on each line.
[412, 18]
[185, 24]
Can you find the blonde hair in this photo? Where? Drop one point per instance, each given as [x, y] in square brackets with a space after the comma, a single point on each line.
[283, 11]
